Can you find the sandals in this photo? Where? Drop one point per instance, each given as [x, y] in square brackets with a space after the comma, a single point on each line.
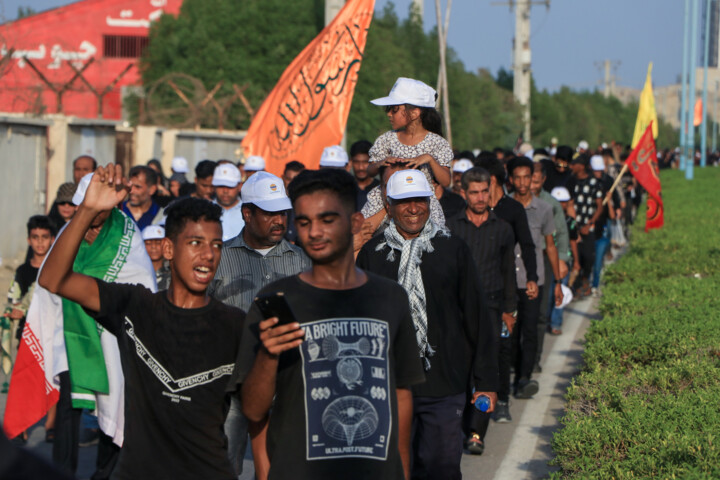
[555, 331]
[475, 445]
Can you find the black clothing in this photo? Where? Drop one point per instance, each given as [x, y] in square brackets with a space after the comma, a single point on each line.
[606, 182]
[437, 443]
[554, 177]
[525, 332]
[25, 276]
[176, 364]
[513, 213]
[493, 248]
[459, 328]
[363, 193]
[585, 194]
[451, 203]
[335, 411]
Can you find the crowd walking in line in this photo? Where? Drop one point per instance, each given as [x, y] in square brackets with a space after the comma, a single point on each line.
[372, 318]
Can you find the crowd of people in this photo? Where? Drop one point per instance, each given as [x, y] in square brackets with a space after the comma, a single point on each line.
[369, 318]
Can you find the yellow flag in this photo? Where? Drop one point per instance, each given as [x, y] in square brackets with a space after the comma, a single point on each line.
[646, 112]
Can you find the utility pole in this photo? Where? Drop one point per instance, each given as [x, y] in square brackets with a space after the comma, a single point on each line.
[418, 6]
[332, 7]
[522, 56]
[442, 89]
[608, 83]
[694, 22]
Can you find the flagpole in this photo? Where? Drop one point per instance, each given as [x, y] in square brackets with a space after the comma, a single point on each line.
[615, 184]
[690, 164]
[703, 132]
[683, 108]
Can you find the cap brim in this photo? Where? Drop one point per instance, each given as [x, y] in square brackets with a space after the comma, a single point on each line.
[224, 183]
[254, 169]
[385, 101]
[274, 205]
[404, 195]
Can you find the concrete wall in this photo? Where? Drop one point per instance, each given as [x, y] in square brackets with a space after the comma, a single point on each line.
[23, 161]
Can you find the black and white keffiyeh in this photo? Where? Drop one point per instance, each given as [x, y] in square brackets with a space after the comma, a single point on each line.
[410, 277]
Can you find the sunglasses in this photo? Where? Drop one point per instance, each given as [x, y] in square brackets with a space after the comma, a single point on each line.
[561, 164]
[392, 109]
[65, 204]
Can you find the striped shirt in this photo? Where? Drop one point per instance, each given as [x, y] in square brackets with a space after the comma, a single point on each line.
[243, 271]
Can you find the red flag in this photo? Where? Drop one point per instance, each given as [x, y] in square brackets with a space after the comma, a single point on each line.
[30, 395]
[642, 163]
[308, 108]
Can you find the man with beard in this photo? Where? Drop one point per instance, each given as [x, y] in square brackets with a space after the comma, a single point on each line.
[492, 244]
[347, 359]
[359, 160]
[140, 205]
[454, 333]
[258, 256]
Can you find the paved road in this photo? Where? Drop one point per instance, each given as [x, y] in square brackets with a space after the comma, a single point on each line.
[514, 451]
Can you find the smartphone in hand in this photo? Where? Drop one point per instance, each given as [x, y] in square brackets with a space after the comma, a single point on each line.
[275, 305]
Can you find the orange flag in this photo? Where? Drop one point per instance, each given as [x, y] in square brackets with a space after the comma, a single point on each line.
[642, 163]
[308, 108]
[698, 112]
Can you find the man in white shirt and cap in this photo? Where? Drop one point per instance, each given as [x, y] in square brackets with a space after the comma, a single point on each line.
[253, 164]
[226, 181]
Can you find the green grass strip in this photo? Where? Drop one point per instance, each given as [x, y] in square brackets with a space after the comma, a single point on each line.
[647, 403]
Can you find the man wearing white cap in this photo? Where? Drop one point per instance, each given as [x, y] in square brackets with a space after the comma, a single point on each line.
[454, 331]
[334, 156]
[253, 164]
[226, 181]
[259, 255]
[450, 200]
[152, 236]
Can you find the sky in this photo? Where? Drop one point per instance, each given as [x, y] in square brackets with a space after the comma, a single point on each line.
[569, 40]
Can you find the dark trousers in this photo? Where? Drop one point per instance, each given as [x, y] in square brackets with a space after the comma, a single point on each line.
[543, 317]
[67, 437]
[475, 420]
[437, 437]
[586, 250]
[525, 334]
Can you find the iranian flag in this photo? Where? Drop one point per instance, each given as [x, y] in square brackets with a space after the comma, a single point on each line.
[59, 336]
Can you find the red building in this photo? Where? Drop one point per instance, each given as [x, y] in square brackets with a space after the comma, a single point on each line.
[105, 37]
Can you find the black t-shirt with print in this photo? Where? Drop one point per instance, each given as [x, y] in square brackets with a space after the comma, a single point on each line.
[335, 411]
[177, 363]
[585, 194]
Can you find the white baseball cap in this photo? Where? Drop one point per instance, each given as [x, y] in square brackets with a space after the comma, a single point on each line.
[180, 165]
[82, 187]
[334, 156]
[255, 163]
[409, 91]
[226, 175]
[153, 232]
[462, 165]
[408, 184]
[266, 191]
[597, 163]
[583, 145]
[560, 194]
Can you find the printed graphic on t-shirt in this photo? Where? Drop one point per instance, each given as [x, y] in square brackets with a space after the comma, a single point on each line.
[173, 385]
[347, 397]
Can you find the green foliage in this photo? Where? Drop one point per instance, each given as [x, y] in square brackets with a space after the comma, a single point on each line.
[646, 404]
[23, 12]
[253, 41]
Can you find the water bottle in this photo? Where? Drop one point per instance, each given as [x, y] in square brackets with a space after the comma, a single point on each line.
[505, 332]
[482, 403]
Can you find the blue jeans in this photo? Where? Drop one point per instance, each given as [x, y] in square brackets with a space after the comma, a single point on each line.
[556, 314]
[236, 431]
[601, 245]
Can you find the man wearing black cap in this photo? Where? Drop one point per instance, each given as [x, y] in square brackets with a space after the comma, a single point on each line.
[542, 228]
[557, 169]
[586, 193]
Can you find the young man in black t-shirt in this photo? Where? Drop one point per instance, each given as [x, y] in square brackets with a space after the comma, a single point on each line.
[341, 371]
[177, 347]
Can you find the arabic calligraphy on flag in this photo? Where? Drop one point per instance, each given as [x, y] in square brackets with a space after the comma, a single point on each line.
[642, 163]
[308, 108]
